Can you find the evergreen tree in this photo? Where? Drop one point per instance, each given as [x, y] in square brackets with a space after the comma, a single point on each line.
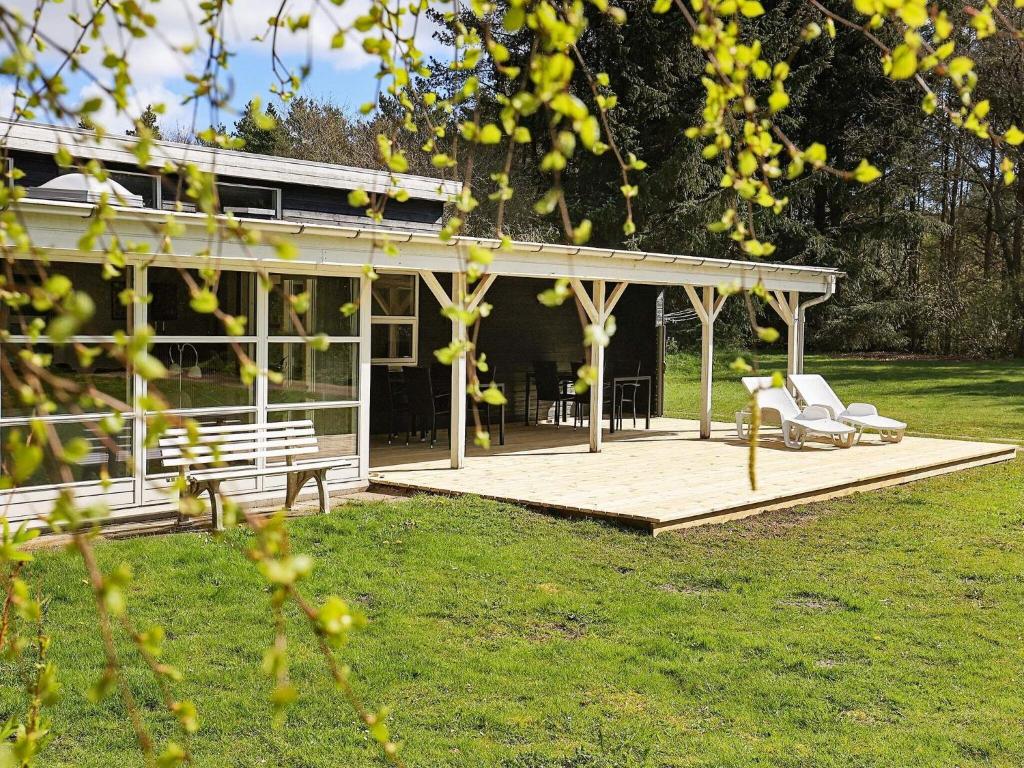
[259, 140]
[148, 119]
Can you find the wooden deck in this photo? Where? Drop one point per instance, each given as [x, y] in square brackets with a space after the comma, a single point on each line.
[667, 477]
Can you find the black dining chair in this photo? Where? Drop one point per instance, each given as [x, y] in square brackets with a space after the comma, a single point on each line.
[549, 387]
[628, 392]
[581, 400]
[425, 405]
[388, 398]
[485, 380]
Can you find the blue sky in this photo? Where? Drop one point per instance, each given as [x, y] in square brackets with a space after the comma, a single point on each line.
[344, 76]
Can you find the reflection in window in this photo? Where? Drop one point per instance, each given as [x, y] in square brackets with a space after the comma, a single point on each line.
[335, 429]
[394, 295]
[144, 185]
[103, 452]
[393, 320]
[245, 200]
[171, 315]
[327, 295]
[109, 313]
[313, 376]
[391, 341]
[202, 375]
[106, 374]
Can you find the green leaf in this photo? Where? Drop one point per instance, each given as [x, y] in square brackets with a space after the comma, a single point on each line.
[204, 302]
[581, 233]
[358, 198]
[960, 66]
[904, 62]
[490, 134]
[751, 8]
[778, 101]
[1014, 136]
[514, 18]
[865, 173]
[816, 154]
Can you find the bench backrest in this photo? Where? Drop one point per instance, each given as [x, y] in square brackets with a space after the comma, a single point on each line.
[231, 443]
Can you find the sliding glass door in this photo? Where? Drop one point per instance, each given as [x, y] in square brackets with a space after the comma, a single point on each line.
[320, 382]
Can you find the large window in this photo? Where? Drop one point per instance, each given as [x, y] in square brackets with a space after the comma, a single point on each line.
[394, 320]
[74, 418]
[321, 385]
[317, 382]
[203, 367]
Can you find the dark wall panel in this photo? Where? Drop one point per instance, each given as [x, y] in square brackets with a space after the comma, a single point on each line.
[522, 330]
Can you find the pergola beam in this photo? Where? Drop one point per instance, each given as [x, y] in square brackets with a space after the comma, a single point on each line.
[584, 298]
[435, 288]
[480, 291]
[614, 296]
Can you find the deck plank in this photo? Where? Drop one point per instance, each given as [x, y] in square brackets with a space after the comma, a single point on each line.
[667, 477]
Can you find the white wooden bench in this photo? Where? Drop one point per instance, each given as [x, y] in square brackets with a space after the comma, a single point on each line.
[227, 452]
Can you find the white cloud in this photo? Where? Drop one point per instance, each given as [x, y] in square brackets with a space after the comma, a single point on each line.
[158, 70]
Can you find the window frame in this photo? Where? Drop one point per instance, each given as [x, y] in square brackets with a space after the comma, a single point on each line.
[275, 191]
[158, 197]
[412, 320]
[142, 487]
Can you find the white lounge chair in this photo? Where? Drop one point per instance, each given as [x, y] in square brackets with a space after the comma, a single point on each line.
[796, 425]
[814, 390]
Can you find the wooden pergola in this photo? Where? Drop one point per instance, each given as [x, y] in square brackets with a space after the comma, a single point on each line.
[328, 249]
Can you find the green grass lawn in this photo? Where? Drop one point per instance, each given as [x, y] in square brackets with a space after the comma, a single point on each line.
[948, 398]
[885, 629]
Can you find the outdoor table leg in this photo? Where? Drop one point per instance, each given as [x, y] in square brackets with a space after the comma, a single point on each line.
[526, 418]
[649, 398]
[611, 412]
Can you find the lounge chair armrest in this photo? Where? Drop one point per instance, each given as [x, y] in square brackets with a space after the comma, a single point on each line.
[828, 409]
[860, 410]
[815, 413]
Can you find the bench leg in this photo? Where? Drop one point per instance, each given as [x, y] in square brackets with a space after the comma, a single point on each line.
[212, 489]
[296, 482]
[320, 476]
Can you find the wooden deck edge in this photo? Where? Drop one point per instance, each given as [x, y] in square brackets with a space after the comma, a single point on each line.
[624, 520]
[739, 512]
[1000, 454]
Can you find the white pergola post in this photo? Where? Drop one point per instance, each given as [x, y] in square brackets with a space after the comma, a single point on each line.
[597, 361]
[457, 428]
[789, 310]
[365, 374]
[597, 309]
[707, 308]
[461, 298]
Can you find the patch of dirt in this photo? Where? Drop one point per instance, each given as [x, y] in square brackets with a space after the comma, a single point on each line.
[689, 589]
[812, 602]
[858, 715]
[766, 525]
[570, 627]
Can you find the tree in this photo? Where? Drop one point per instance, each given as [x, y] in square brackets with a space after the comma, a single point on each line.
[146, 122]
[261, 132]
